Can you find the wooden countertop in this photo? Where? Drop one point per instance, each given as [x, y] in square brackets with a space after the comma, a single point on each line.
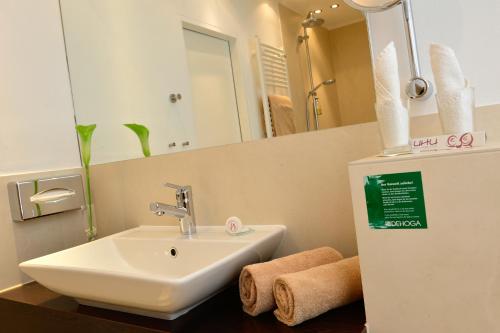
[32, 308]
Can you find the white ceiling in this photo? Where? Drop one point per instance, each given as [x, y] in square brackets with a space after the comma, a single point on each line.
[334, 18]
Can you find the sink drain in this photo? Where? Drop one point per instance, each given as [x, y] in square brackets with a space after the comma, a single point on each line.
[173, 252]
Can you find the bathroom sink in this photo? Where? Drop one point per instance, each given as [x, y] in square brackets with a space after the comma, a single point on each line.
[153, 271]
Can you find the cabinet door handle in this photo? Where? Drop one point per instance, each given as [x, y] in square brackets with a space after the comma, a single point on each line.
[185, 143]
[175, 97]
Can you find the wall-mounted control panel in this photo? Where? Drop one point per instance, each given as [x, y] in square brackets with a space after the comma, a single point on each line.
[39, 197]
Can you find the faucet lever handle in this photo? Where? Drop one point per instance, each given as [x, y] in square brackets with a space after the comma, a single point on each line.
[175, 187]
[182, 194]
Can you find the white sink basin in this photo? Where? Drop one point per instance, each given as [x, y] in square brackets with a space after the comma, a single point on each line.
[153, 271]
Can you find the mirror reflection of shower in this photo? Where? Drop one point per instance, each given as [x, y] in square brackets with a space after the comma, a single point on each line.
[311, 22]
[329, 64]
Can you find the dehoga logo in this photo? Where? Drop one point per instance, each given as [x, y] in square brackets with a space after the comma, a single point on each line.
[407, 223]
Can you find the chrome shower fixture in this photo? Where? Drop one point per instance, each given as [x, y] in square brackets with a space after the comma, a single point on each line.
[418, 87]
[312, 21]
[315, 101]
[324, 83]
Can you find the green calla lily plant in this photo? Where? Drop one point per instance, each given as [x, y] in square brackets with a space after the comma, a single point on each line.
[85, 133]
[142, 133]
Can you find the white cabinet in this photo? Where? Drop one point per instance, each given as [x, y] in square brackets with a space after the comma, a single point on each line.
[443, 278]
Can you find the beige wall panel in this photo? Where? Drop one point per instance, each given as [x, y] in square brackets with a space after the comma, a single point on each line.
[353, 69]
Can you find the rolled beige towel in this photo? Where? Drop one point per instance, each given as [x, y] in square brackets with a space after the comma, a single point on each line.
[256, 281]
[304, 295]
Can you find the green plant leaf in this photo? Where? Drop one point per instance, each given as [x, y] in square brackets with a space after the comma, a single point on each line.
[142, 133]
[85, 133]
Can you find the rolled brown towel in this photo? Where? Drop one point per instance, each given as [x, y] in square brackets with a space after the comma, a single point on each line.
[304, 295]
[256, 281]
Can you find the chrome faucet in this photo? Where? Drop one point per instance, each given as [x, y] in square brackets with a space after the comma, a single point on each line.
[184, 210]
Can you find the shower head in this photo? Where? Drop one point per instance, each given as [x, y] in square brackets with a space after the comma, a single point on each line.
[312, 21]
[324, 83]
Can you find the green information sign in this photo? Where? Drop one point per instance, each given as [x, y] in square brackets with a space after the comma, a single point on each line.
[395, 201]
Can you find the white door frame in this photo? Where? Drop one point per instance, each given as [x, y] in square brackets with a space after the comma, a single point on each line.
[239, 88]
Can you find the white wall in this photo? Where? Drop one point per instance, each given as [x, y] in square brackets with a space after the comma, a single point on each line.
[470, 27]
[36, 113]
[37, 129]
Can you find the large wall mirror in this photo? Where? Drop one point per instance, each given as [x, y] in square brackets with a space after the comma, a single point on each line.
[196, 74]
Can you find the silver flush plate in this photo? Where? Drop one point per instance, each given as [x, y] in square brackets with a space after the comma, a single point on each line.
[40, 197]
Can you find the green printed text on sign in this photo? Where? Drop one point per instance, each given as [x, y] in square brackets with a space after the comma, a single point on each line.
[395, 201]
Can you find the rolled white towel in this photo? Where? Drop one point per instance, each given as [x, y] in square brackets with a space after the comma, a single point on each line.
[387, 85]
[448, 74]
[456, 111]
[454, 98]
[394, 123]
[392, 116]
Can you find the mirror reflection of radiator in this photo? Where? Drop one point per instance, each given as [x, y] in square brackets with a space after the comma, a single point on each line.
[274, 80]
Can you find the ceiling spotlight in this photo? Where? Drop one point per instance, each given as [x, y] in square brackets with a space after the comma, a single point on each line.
[318, 11]
[335, 6]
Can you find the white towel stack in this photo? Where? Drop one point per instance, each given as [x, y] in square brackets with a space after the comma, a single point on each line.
[455, 99]
[392, 116]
